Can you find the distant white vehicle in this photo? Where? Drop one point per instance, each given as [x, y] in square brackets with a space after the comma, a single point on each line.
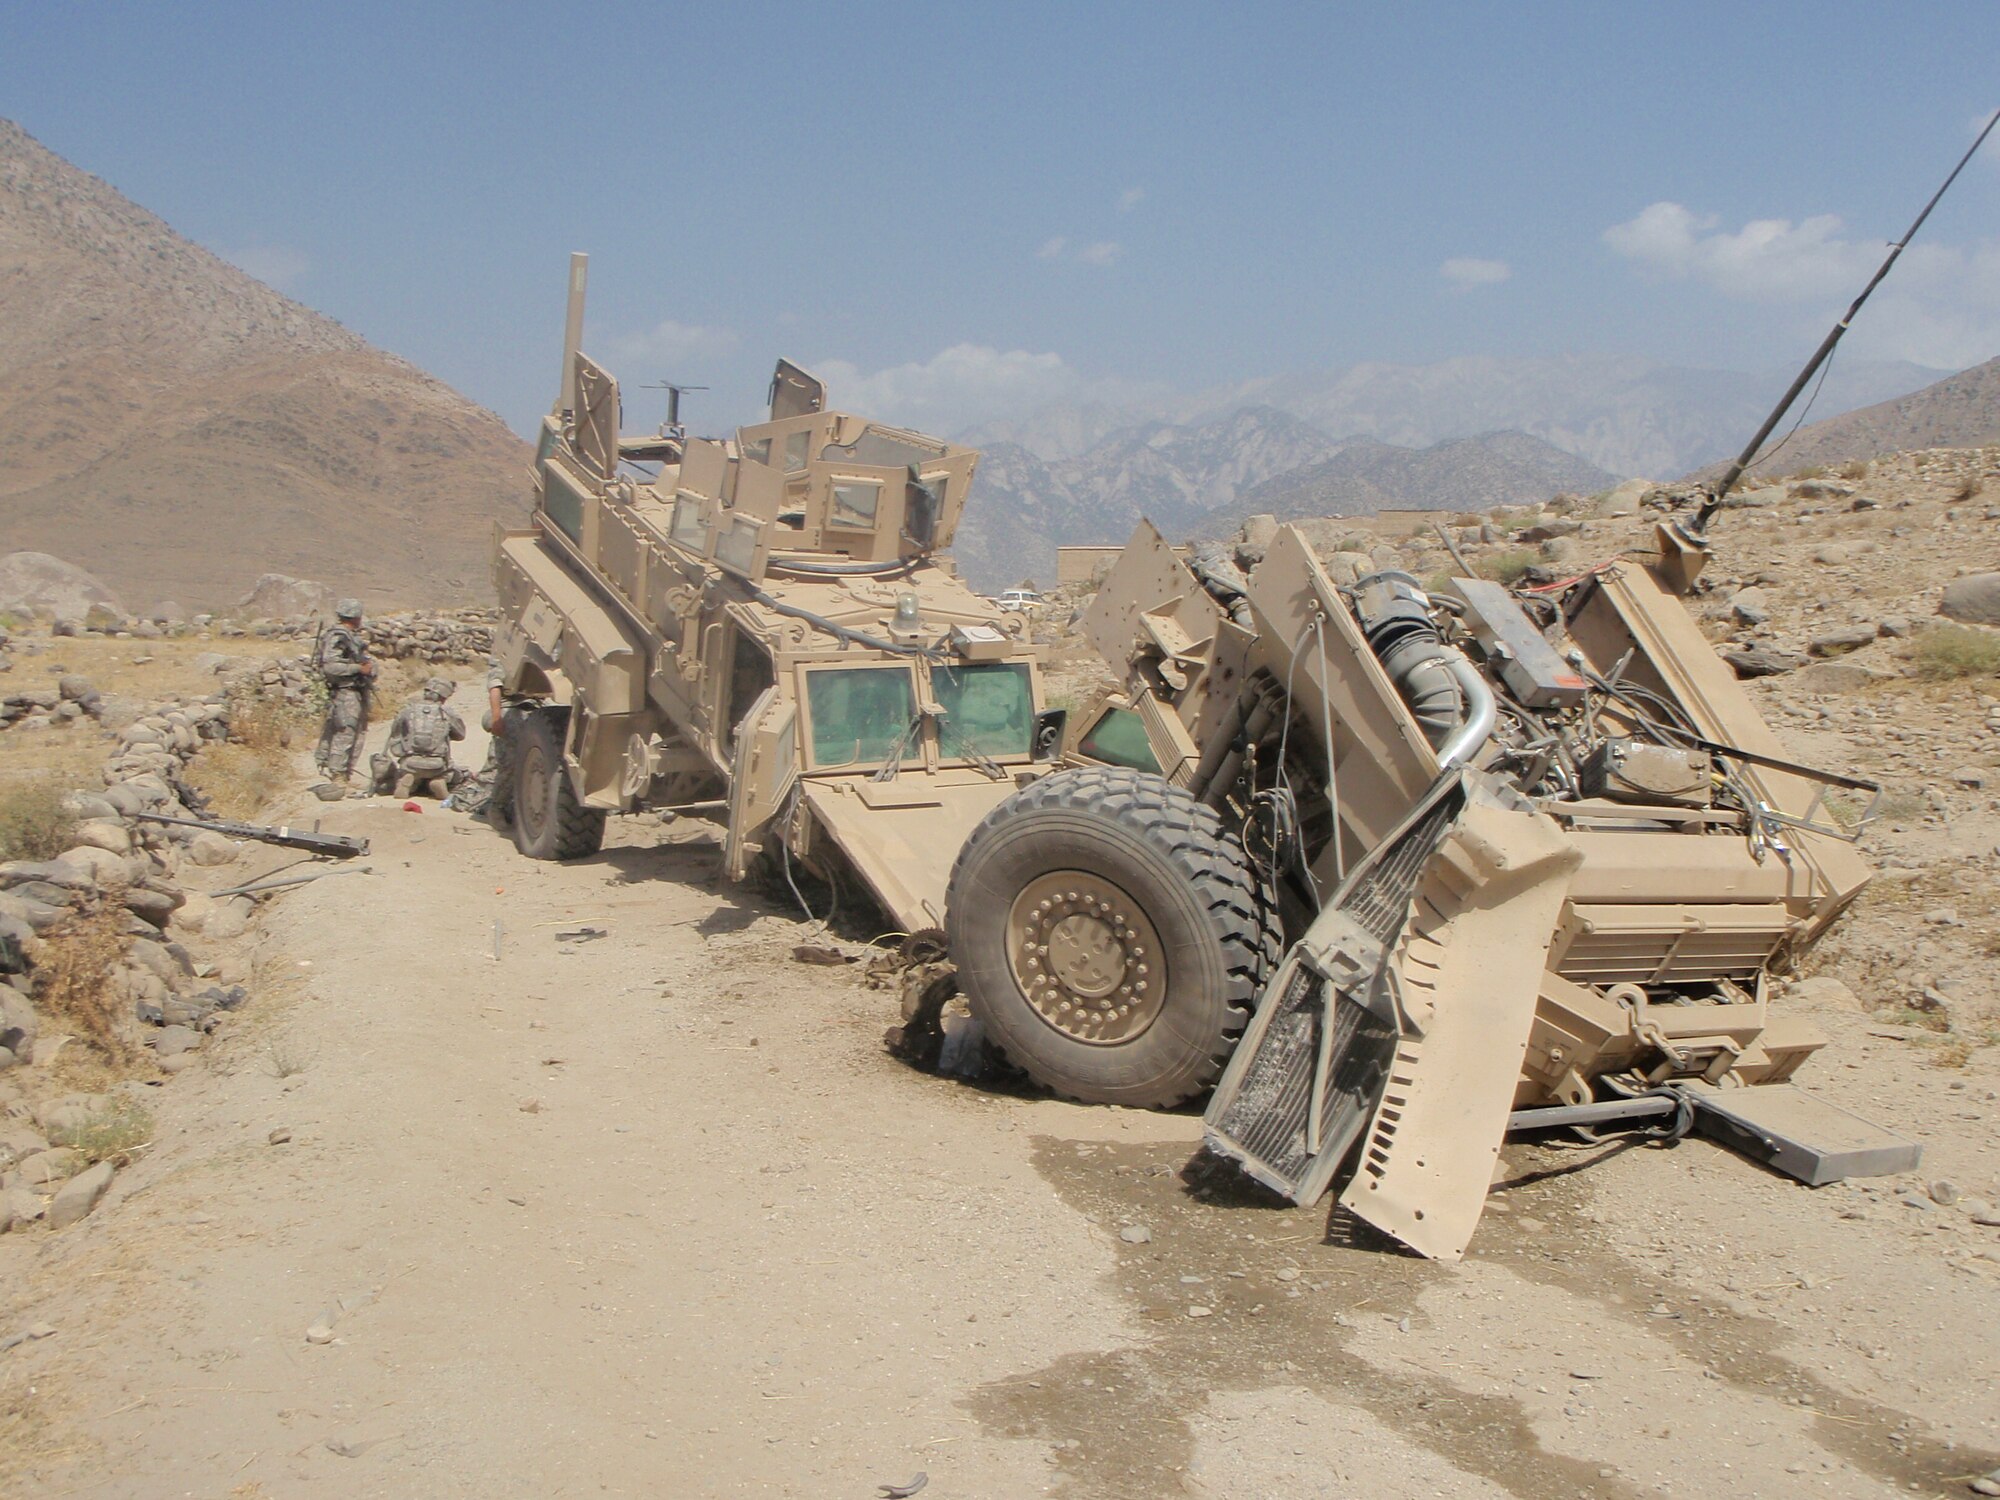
[1019, 600]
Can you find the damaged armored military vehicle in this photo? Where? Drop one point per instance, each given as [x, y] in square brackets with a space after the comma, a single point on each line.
[764, 629]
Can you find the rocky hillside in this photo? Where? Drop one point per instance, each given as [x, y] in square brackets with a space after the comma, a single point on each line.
[175, 426]
[1960, 412]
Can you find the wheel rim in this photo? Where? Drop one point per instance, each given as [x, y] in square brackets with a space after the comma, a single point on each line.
[533, 793]
[1087, 957]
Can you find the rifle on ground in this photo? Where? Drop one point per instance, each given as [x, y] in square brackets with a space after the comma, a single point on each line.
[338, 845]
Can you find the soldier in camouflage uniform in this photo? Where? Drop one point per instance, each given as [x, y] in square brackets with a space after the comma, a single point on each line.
[342, 660]
[475, 795]
[420, 741]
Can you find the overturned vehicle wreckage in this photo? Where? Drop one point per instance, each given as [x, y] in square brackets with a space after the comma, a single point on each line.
[1396, 871]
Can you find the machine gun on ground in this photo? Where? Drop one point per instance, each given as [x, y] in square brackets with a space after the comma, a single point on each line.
[334, 845]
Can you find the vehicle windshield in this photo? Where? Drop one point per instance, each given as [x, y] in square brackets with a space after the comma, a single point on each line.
[1119, 739]
[989, 709]
[858, 713]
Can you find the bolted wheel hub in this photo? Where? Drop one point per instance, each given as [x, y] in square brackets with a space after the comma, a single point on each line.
[1086, 957]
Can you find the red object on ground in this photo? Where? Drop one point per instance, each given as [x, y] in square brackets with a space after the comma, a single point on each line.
[413, 807]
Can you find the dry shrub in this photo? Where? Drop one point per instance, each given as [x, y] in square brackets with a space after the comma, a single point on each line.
[76, 987]
[1972, 489]
[1507, 567]
[1947, 652]
[1854, 468]
[33, 822]
[266, 723]
[244, 774]
[114, 1133]
[239, 780]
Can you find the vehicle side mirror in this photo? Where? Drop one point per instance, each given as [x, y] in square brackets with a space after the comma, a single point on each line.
[1049, 726]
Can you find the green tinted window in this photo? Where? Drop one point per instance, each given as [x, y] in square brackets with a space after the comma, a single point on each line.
[989, 709]
[562, 505]
[858, 714]
[1119, 739]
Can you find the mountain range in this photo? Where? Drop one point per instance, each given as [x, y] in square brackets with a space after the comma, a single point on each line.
[177, 427]
[1629, 416]
[1202, 479]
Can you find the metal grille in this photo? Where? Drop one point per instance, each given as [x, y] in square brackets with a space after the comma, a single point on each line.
[1263, 1120]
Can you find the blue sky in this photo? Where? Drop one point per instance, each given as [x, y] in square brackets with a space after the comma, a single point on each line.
[958, 211]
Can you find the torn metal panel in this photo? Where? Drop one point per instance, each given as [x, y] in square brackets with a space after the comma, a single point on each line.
[1469, 969]
[1800, 1134]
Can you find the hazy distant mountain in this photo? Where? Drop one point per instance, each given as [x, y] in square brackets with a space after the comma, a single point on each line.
[1628, 416]
[1024, 506]
[1494, 468]
[178, 428]
[1201, 481]
[1962, 411]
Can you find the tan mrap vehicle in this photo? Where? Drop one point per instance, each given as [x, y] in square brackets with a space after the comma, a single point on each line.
[1409, 870]
[761, 628]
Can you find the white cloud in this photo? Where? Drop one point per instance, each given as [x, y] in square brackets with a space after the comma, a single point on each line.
[671, 343]
[1130, 199]
[1103, 253]
[276, 266]
[1940, 305]
[1052, 248]
[1465, 272]
[1768, 260]
[963, 384]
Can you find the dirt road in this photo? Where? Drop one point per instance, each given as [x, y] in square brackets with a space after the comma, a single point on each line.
[653, 1214]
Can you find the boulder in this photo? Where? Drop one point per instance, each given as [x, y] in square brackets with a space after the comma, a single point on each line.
[1624, 500]
[102, 866]
[1824, 989]
[1258, 530]
[1840, 641]
[34, 583]
[80, 1195]
[276, 595]
[229, 919]
[1757, 499]
[150, 905]
[1751, 606]
[45, 1169]
[210, 848]
[19, 1208]
[105, 833]
[1973, 599]
[1762, 661]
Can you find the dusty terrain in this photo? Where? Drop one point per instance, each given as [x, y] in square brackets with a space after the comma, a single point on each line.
[460, 1205]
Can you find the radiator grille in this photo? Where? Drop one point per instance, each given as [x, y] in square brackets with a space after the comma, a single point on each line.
[1261, 1116]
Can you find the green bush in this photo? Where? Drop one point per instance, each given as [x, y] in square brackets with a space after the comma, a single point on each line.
[34, 824]
[1946, 652]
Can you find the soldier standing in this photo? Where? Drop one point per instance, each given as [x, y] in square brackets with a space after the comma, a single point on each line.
[342, 660]
[475, 796]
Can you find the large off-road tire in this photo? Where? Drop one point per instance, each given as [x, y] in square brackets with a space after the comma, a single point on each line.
[1111, 936]
[549, 821]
